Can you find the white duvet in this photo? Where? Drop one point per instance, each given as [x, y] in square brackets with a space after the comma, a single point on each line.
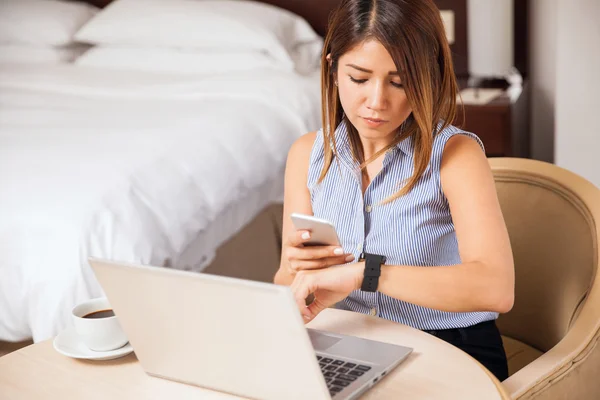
[128, 166]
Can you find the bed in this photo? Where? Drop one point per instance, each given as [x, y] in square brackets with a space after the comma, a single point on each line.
[177, 164]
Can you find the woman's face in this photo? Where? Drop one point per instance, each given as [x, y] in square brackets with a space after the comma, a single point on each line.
[370, 90]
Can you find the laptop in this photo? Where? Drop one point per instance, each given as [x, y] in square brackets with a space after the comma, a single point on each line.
[236, 336]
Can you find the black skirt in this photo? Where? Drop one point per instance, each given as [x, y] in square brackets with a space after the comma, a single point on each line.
[482, 342]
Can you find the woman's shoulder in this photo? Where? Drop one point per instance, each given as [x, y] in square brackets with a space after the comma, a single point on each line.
[302, 147]
[462, 150]
[452, 134]
[299, 154]
[306, 141]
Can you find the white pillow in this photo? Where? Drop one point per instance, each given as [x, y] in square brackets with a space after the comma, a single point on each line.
[48, 55]
[174, 60]
[217, 24]
[42, 22]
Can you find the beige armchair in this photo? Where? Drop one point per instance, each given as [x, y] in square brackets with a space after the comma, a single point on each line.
[551, 335]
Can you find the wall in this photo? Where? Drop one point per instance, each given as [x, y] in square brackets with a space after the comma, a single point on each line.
[577, 104]
[542, 45]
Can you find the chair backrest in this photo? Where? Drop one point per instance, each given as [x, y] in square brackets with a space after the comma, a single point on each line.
[552, 216]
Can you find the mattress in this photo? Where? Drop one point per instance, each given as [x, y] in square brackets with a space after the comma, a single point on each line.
[148, 168]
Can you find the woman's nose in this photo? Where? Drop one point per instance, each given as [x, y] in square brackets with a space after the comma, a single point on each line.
[376, 99]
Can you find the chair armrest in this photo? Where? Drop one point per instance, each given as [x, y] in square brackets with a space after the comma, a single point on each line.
[578, 344]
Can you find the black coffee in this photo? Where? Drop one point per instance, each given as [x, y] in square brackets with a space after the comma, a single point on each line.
[100, 314]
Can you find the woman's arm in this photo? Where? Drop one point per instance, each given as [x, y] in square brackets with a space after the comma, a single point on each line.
[296, 198]
[484, 281]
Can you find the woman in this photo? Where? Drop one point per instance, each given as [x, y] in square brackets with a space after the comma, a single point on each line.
[398, 181]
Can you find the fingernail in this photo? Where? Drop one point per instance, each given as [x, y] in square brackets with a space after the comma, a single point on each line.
[338, 252]
[306, 235]
[306, 317]
[349, 258]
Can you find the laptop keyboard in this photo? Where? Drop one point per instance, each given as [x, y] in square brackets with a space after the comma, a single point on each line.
[339, 374]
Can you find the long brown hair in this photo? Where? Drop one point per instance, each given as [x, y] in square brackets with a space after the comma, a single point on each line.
[413, 33]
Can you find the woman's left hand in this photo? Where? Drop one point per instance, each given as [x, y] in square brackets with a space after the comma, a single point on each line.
[329, 286]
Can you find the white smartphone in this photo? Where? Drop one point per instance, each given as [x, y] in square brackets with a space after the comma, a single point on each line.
[322, 232]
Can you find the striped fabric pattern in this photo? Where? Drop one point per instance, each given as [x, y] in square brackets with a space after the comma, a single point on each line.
[416, 229]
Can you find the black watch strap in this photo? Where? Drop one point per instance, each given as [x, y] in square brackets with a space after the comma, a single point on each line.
[372, 272]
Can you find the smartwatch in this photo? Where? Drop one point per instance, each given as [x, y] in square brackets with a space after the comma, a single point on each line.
[372, 271]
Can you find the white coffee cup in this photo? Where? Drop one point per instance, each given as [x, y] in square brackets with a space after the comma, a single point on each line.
[99, 334]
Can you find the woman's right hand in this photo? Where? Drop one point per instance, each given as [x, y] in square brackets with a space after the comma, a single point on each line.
[300, 257]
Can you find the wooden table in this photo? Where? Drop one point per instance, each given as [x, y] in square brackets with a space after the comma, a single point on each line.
[435, 370]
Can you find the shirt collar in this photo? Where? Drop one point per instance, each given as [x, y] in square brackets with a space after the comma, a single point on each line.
[342, 139]
[406, 146]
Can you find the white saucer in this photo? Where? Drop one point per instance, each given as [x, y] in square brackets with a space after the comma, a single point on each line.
[69, 344]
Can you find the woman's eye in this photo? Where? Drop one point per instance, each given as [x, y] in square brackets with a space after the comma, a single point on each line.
[357, 81]
[396, 84]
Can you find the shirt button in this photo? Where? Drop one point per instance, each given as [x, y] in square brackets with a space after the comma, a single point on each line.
[373, 311]
[359, 247]
[368, 209]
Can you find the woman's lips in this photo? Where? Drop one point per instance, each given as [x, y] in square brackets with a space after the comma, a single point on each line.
[374, 122]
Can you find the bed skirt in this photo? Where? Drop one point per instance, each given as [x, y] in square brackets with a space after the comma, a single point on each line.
[254, 252]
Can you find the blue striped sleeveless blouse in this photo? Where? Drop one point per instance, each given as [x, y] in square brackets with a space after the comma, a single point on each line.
[415, 229]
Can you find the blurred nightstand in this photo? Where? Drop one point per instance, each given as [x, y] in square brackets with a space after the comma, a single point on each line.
[502, 123]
